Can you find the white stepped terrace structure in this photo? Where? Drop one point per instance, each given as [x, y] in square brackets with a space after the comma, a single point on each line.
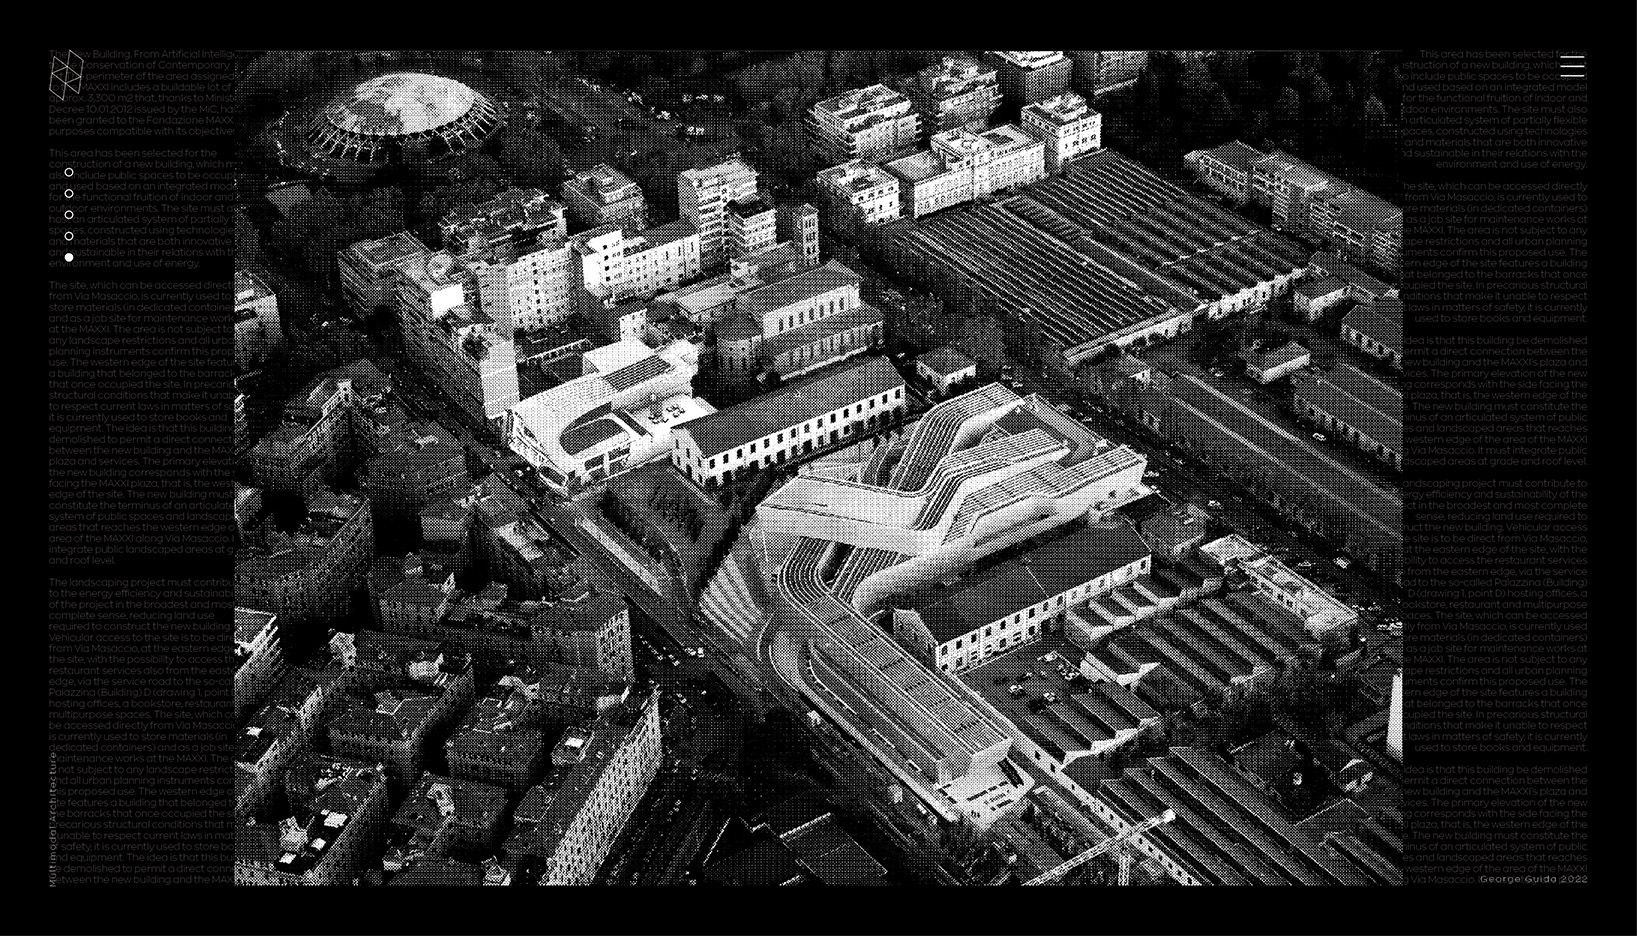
[977, 473]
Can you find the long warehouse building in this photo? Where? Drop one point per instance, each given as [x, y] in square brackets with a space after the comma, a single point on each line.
[1105, 254]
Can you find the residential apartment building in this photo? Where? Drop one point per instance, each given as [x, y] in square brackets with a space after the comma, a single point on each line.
[961, 166]
[1361, 226]
[616, 266]
[335, 828]
[416, 462]
[1226, 168]
[405, 691]
[1287, 186]
[859, 193]
[514, 218]
[752, 226]
[369, 269]
[532, 289]
[1067, 125]
[1097, 73]
[791, 421]
[582, 627]
[444, 817]
[339, 422]
[262, 748]
[1395, 718]
[872, 124]
[501, 740]
[1027, 77]
[313, 572]
[604, 195]
[957, 93]
[256, 328]
[241, 424]
[413, 605]
[259, 655]
[956, 628]
[565, 827]
[1306, 200]
[468, 352]
[703, 196]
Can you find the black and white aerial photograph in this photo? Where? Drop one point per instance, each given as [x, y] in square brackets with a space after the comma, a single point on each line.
[842, 468]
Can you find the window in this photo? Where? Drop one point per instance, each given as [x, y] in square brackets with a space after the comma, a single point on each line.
[988, 632]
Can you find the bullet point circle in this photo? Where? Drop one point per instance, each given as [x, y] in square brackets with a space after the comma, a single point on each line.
[69, 171]
[68, 216]
[68, 193]
[68, 235]
[68, 258]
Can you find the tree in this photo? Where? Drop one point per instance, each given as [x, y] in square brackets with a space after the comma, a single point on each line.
[532, 159]
[1285, 119]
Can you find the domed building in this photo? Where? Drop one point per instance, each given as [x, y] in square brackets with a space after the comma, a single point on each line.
[404, 109]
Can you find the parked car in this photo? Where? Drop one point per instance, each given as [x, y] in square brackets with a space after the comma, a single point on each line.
[1342, 562]
[1214, 504]
[1320, 437]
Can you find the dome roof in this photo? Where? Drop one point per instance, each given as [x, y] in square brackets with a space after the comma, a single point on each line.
[403, 106]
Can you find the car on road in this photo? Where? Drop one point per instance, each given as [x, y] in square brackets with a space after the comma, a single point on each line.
[1342, 562]
[1214, 504]
[1320, 437]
